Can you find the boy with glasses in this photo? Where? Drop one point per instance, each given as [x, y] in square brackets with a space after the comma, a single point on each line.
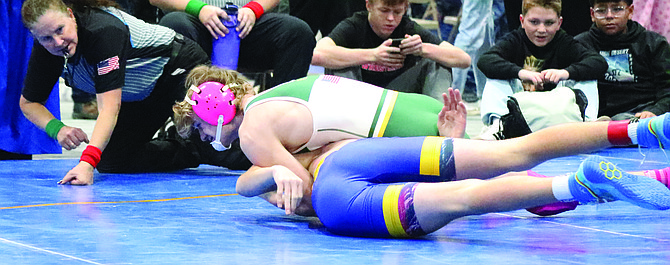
[637, 83]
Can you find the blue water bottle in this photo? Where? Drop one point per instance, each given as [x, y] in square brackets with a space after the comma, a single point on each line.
[226, 50]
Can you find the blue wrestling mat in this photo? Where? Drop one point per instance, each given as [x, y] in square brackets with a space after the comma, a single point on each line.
[195, 217]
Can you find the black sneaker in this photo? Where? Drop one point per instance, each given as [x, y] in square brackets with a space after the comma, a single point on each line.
[512, 124]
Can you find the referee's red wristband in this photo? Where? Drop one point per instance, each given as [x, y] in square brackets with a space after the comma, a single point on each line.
[256, 7]
[91, 155]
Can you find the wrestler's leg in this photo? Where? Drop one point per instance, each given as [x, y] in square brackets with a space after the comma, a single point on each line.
[437, 204]
[486, 159]
[596, 180]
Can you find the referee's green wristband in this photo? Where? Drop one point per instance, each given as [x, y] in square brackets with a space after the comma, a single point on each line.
[193, 7]
[53, 127]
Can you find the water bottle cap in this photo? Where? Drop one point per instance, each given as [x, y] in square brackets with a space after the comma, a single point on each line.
[230, 8]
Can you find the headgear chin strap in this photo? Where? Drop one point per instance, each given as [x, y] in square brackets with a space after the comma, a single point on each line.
[217, 145]
[213, 103]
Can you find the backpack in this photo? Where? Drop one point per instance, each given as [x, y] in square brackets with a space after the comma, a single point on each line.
[532, 111]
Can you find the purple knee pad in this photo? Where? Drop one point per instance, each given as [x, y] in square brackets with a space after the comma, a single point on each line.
[553, 208]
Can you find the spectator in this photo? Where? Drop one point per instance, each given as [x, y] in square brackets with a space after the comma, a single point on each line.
[637, 83]
[269, 41]
[362, 48]
[476, 34]
[536, 57]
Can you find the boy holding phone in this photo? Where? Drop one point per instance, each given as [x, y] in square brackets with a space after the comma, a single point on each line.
[362, 47]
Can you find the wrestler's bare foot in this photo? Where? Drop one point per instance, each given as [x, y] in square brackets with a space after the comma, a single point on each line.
[452, 118]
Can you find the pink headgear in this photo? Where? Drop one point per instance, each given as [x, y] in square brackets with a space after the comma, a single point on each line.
[211, 100]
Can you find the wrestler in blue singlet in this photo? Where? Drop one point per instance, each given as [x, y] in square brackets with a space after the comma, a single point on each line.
[366, 188]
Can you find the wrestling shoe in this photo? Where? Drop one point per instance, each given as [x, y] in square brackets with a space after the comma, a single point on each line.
[598, 180]
[654, 132]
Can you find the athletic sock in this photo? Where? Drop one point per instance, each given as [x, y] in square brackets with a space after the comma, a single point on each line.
[632, 132]
[560, 186]
[662, 175]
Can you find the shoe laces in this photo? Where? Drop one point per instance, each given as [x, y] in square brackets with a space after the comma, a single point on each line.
[499, 134]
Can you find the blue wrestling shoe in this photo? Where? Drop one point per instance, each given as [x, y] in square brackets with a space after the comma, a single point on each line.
[598, 180]
[654, 132]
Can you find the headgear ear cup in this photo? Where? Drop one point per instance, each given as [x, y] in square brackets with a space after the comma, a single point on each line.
[213, 99]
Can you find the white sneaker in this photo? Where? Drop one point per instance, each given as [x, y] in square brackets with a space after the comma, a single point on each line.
[472, 108]
[490, 132]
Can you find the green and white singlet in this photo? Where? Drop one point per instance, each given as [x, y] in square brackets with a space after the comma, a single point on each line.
[347, 109]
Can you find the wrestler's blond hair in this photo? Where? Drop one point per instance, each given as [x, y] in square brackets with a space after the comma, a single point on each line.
[184, 117]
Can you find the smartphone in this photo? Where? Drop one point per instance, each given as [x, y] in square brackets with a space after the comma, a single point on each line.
[396, 42]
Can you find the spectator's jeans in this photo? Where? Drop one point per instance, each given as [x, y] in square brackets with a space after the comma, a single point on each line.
[476, 34]
[497, 91]
[426, 77]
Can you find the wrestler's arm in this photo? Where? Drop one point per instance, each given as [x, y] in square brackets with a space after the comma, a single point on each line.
[452, 119]
[288, 164]
[262, 145]
[259, 180]
[264, 182]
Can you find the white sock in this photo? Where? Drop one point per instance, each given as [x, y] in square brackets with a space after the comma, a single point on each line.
[632, 132]
[561, 188]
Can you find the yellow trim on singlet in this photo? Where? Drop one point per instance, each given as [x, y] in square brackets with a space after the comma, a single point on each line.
[387, 109]
[318, 166]
[390, 210]
[430, 156]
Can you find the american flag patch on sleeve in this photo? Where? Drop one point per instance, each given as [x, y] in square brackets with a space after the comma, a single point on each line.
[331, 78]
[108, 65]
